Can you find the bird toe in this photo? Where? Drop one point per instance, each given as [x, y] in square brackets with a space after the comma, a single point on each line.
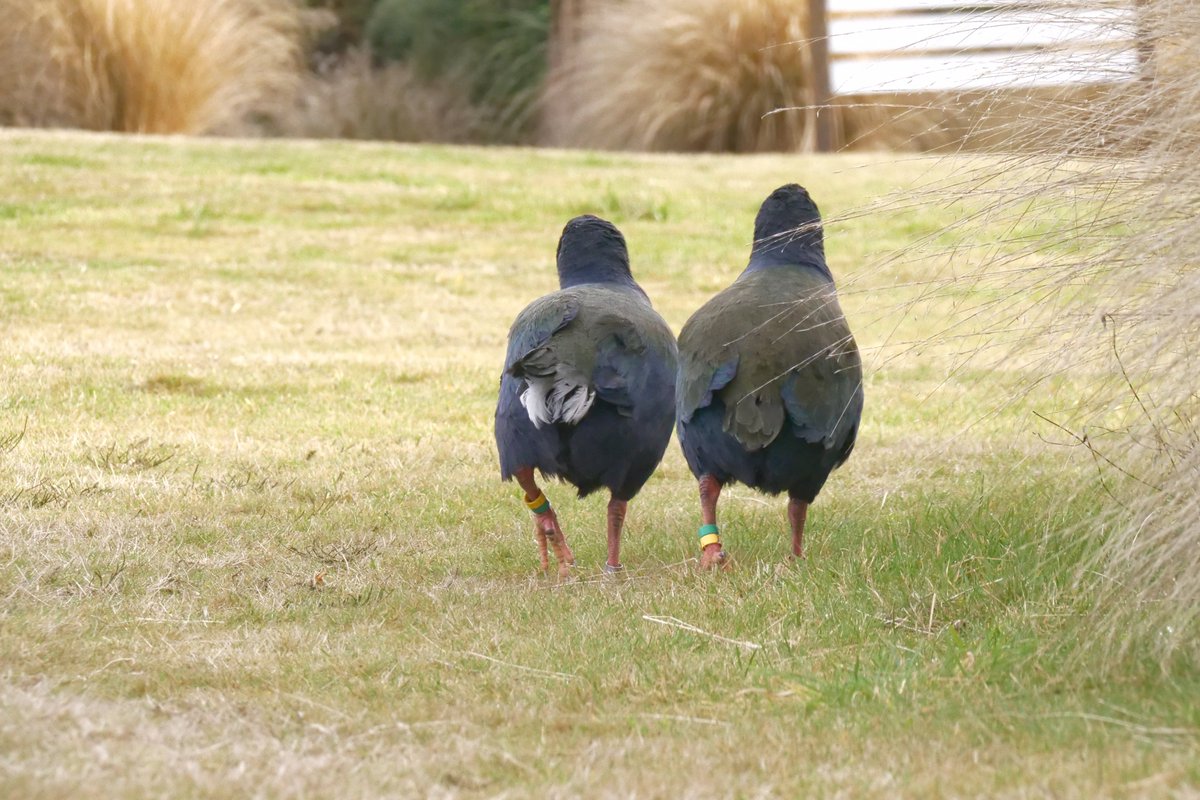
[714, 557]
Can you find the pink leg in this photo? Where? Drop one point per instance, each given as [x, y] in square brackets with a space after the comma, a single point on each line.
[546, 528]
[713, 555]
[797, 514]
[616, 520]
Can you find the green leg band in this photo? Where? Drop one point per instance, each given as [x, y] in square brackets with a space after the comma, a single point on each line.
[708, 534]
[539, 504]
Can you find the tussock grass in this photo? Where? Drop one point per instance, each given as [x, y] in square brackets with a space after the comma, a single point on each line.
[492, 51]
[710, 75]
[147, 66]
[690, 76]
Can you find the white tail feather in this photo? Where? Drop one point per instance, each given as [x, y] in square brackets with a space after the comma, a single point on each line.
[557, 399]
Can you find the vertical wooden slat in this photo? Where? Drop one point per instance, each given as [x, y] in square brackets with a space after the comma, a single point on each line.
[818, 48]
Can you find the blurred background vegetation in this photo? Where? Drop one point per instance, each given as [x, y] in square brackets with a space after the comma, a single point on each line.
[416, 70]
[680, 75]
[694, 75]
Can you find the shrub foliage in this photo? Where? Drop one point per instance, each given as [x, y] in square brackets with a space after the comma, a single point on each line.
[494, 50]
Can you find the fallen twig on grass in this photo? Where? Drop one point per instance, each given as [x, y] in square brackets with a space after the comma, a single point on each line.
[672, 622]
[562, 676]
[683, 718]
[1132, 727]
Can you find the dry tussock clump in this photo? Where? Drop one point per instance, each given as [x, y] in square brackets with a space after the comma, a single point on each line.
[147, 66]
[686, 75]
[709, 75]
[357, 100]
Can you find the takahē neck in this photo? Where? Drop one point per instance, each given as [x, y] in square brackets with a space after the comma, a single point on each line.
[788, 232]
[789, 254]
[592, 250]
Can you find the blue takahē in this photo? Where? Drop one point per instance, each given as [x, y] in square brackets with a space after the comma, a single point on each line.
[770, 381]
[588, 389]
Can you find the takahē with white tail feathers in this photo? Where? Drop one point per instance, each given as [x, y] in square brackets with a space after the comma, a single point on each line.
[588, 388]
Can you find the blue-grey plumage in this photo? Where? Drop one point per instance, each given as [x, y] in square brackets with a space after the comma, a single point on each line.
[588, 388]
[770, 389]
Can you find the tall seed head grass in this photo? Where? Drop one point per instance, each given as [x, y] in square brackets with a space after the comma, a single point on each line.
[1087, 269]
[1150, 559]
[147, 66]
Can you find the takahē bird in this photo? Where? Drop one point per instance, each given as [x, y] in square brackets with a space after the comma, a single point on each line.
[588, 389]
[770, 381]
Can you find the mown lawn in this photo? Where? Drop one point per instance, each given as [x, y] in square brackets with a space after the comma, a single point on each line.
[254, 541]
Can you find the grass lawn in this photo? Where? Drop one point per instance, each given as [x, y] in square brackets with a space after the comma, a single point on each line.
[254, 541]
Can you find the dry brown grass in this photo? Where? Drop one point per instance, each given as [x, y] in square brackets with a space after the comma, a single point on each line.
[357, 100]
[147, 66]
[709, 75]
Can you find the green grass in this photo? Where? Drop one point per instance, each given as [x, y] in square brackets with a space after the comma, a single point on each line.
[254, 541]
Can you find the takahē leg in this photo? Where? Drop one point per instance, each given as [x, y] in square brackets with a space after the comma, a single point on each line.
[797, 513]
[616, 520]
[545, 525]
[711, 552]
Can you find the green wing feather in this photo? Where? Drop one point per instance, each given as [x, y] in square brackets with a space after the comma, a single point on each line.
[592, 333]
[772, 345]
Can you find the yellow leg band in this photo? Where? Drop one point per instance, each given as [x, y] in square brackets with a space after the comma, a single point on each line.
[712, 538]
[539, 504]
